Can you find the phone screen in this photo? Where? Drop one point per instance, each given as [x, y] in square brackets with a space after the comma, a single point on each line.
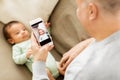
[41, 33]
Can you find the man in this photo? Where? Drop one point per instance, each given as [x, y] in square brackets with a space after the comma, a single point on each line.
[100, 21]
[100, 60]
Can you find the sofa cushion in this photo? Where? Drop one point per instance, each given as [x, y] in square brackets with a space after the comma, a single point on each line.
[65, 27]
[26, 10]
[9, 70]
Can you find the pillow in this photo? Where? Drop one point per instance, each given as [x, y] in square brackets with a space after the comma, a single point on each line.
[26, 10]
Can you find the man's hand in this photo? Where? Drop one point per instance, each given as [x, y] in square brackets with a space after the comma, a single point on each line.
[67, 59]
[39, 52]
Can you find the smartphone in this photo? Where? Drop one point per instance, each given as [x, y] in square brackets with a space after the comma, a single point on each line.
[40, 32]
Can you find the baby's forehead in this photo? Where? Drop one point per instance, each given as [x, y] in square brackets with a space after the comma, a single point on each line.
[16, 26]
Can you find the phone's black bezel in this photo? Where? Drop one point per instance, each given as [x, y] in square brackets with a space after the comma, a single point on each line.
[45, 41]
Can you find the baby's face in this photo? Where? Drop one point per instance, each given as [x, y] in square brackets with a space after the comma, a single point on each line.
[41, 32]
[18, 33]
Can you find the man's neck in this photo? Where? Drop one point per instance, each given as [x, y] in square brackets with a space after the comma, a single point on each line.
[105, 34]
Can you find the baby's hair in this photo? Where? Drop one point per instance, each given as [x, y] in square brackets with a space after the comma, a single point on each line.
[6, 27]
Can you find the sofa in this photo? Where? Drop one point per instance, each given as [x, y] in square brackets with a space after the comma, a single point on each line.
[65, 30]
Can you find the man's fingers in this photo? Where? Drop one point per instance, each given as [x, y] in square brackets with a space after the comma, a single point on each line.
[63, 62]
[66, 64]
[34, 41]
[48, 46]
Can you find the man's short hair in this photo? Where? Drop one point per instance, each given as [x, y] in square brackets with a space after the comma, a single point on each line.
[109, 5]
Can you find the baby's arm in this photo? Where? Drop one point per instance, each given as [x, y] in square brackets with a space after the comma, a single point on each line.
[28, 53]
[18, 56]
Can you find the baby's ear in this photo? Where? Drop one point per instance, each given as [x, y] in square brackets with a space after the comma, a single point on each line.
[11, 41]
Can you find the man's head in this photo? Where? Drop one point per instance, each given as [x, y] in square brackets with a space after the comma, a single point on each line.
[99, 17]
[15, 32]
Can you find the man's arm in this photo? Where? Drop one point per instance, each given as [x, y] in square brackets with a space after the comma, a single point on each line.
[39, 57]
[72, 53]
[39, 72]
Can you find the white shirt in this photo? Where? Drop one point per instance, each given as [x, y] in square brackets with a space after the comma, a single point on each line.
[99, 61]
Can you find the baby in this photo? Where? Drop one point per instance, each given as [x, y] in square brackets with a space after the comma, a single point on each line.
[17, 35]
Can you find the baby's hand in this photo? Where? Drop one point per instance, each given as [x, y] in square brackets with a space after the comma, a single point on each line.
[47, 24]
[28, 53]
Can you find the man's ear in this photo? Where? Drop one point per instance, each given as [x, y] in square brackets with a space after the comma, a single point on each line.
[11, 41]
[92, 11]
